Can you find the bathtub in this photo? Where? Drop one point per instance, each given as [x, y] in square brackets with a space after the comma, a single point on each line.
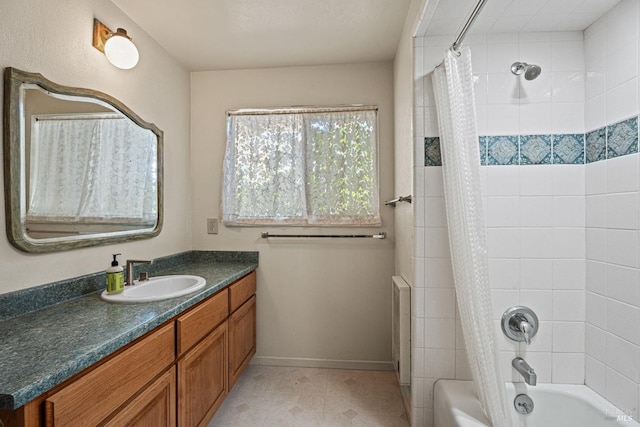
[555, 405]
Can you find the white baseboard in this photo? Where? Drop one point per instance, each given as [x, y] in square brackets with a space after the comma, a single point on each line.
[322, 363]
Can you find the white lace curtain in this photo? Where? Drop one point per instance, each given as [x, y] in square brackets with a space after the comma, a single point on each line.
[317, 168]
[87, 168]
[453, 87]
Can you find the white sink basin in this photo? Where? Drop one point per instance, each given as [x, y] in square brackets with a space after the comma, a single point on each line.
[156, 289]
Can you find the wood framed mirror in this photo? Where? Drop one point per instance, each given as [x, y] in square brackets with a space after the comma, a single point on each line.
[80, 168]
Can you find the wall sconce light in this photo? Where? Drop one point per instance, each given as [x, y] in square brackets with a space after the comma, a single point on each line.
[117, 47]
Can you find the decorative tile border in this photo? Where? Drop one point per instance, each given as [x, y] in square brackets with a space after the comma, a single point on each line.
[622, 138]
[482, 142]
[502, 150]
[432, 156]
[615, 140]
[568, 149]
[535, 149]
[596, 145]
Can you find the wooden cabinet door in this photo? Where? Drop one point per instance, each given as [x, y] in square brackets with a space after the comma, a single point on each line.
[242, 339]
[94, 396]
[202, 379]
[154, 407]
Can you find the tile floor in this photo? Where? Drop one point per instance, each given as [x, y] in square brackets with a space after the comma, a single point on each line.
[267, 396]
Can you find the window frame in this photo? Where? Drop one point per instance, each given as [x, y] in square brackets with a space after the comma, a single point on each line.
[347, 221]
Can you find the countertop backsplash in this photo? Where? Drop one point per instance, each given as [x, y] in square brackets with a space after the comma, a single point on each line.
[38, 297]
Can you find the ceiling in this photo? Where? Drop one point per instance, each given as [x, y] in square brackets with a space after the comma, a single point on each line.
[238, 34]
[446, 17]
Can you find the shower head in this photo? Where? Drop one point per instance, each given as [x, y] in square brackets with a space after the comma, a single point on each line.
[530, 71]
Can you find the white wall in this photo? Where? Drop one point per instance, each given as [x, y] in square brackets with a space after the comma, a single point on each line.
[54, 39]
[403, 148]
[535, 214]
[405, 168]
[612, 218]
[323, 303]
[318, 300]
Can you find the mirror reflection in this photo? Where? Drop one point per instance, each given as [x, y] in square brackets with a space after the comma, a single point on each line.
[85, 169]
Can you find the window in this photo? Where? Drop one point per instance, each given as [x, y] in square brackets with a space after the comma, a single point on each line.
[301, 167]
[83, 167]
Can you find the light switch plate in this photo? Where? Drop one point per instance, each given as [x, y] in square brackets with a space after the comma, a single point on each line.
[212, 225]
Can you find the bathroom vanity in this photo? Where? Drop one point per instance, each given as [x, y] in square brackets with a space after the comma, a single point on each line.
[178, 371]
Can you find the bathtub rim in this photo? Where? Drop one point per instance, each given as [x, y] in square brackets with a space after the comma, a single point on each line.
[470, 412]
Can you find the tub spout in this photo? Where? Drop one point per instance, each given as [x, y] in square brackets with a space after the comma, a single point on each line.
[525, 370]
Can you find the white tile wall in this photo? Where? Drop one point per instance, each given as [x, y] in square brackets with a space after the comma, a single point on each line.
[611, 60]
[567, 117]
[595, 375]
[612, 334]
[563, 239]
[621, 174]
[621, 391]
[535, 181]
[595, 342]
[569, 274]
[537, 211]
[536, 274]
[568, 368]
[568, 337]
[622, 284]
[535, 215]
[596, 310]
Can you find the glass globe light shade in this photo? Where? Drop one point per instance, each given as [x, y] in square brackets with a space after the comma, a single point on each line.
[120, 50]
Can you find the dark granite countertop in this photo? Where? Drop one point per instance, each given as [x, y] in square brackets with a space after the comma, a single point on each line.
[42, 348]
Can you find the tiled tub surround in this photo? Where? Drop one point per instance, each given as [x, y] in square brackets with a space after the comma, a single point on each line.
[535, 214]
[615, 140]
[563, 239]
[42, 348]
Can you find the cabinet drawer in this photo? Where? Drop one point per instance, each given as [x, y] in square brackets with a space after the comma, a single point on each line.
[92, 397]
[241, 291]
[201, 320]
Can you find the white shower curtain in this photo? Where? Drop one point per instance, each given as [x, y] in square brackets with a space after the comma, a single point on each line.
[453, 86]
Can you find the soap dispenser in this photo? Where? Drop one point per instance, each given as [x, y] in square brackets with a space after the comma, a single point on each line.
[115, 277]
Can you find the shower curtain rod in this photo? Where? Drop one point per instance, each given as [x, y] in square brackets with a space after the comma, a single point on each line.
[474, 14]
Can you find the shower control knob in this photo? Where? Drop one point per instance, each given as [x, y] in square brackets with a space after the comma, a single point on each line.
[520, 323]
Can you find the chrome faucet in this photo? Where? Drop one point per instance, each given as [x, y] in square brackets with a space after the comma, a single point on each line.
[130, 264]
[525, 370]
